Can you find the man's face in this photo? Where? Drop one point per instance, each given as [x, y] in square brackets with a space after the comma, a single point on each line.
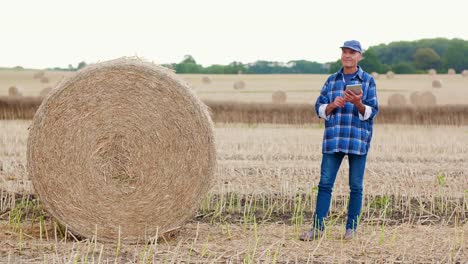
[350, 58]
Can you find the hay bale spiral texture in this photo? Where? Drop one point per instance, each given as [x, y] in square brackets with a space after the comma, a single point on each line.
[279, 97]
[122, 147]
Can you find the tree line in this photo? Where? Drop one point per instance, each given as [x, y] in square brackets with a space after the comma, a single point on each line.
[403, 57]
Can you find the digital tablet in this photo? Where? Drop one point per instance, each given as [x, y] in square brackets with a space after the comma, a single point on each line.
[356, 88]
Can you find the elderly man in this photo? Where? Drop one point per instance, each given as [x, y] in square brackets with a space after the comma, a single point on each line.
[349, 117]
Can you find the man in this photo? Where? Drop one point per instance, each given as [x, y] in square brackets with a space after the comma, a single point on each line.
[348, 131]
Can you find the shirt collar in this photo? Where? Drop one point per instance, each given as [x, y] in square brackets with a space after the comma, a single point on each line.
[359, 72]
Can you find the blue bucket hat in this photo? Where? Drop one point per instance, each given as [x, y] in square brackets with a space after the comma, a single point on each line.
[352, 44]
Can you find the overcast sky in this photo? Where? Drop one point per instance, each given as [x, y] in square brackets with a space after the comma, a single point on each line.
[55, 33]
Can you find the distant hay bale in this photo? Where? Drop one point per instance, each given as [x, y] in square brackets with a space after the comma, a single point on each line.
[15, 91]
[390, 75]
[279, 97]
[426, 99]
[239, 85]
[123, 150]
[375, 75]
[39, 74]
[465, 73]
[206, 80]
[44, 80]
[451, 71]
[397, 100]
[414, 98]
[45, 91]
[432, 72]
[436, 84]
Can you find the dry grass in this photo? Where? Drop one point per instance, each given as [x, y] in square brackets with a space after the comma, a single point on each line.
[423, 110]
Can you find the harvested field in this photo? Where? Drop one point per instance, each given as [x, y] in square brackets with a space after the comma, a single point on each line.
[301, 88]
[415, 196]
[415, 206]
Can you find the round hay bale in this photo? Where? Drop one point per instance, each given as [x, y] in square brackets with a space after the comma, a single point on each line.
[397, 100]
[15, 91]
[239, 85]
[390, 75]
[426, 99]
[432, 72]
[206, 80]
[123, 148]
[375, 75]
[44, 80]
[465, 73]
[279, 97]
[39, 74]
[436, 84]
[45, 91]
[414, 96]
[451, 71]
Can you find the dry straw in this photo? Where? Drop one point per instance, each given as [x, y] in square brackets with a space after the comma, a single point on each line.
[375, 75]
[451, 71]
[15, 91]
[239, 85]
[465, 73]
[436, 84]
[123, 149]
[279, 97]
[206, 80]
[397, 100]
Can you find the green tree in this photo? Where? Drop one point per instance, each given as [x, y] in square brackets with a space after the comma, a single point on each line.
[81, 65]
[404, 68]
[456, 56]
[371, 63]
[188, 65]
[427, 58]
[335, 66]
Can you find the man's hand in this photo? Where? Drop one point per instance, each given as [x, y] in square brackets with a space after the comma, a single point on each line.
[339, 102]
[353, 98]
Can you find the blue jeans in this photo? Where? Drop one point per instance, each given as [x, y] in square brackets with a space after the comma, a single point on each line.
[329, 168]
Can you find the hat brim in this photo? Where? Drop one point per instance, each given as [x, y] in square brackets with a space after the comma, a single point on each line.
[348, 47]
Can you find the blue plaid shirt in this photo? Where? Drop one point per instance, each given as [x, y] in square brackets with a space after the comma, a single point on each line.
[345, 131]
